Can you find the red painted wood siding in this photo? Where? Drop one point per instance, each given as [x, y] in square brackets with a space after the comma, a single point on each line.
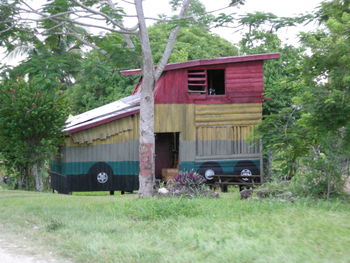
[243, 84]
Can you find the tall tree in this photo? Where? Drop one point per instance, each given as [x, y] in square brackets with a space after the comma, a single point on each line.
[32, 115]
[149, 78]
[34, 85]
[326, 71]
[282, 81]
[325, 103]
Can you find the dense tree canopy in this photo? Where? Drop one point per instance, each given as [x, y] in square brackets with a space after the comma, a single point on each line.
[306, 124]
[327, 71]
[192, 43]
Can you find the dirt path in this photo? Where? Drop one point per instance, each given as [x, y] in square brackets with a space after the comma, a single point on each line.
[14, 253]
[7, 257]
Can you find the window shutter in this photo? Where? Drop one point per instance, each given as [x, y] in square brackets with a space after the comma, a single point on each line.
[197, 81]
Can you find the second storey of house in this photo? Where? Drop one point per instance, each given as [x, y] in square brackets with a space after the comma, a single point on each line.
[227, 80]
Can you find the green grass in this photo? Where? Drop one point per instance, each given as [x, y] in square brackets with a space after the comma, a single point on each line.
[118, 228]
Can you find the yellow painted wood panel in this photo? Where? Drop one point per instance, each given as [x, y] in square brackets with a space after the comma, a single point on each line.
[228, 117]
[175, 118]
[238, 122]
[230, 111]
[122, 130]
[202, 107]
[184, 118]
[228, 114]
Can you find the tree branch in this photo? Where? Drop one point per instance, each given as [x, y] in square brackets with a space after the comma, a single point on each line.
[58, 17]
[171, 41]
[88, 43]
[127, 38]
[128, 2]
[7, 29]
[175, 19]
[90, 10]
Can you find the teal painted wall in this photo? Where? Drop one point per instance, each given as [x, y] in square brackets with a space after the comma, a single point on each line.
[73, 168]
[132, 167]
[227, 166]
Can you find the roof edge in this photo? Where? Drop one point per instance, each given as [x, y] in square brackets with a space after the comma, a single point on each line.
[100, 122]
[207, 62]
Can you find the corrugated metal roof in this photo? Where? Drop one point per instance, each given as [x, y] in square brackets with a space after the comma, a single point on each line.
[106, 113]
[207, 62]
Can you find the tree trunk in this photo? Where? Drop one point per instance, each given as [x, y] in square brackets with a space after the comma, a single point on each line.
[269, 164]
[38, 178]
[149, 78]
[146, 144]
[329, 188]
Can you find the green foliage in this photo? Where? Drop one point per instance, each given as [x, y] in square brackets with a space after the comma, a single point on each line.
[327, 100]
[286, 138]
[258, 20]
[12, 31]
[54, 224]
[118, 56]
[192, 43]
[325, 103]
[196, 14]
[98, 82]
[283, 138]
[322, 177]
[310, 106]
[31, 119]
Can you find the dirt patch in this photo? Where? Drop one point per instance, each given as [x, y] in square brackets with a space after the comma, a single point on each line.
[21, 252]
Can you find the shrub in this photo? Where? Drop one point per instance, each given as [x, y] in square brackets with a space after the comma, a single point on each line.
[188, 184]
[190, 180]
[321, 177]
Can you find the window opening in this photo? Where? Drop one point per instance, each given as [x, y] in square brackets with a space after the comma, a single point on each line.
[216, 82]
[211, 81]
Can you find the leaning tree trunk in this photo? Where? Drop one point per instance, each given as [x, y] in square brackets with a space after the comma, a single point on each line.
[146, 144]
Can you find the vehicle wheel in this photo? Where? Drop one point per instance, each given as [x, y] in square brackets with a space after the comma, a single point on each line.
[100, 176]
[209, 169]
[246, 169]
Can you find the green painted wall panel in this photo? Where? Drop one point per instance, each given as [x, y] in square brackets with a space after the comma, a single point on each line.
[227, 166]
[73, 168]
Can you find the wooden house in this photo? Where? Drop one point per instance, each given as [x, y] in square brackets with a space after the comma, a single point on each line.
[205, 111]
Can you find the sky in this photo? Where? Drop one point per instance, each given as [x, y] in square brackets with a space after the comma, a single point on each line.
[278, 7]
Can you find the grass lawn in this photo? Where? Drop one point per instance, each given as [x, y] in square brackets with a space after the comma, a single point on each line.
[99, 228]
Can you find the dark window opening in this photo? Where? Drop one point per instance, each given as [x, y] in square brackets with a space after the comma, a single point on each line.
[216, 82]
